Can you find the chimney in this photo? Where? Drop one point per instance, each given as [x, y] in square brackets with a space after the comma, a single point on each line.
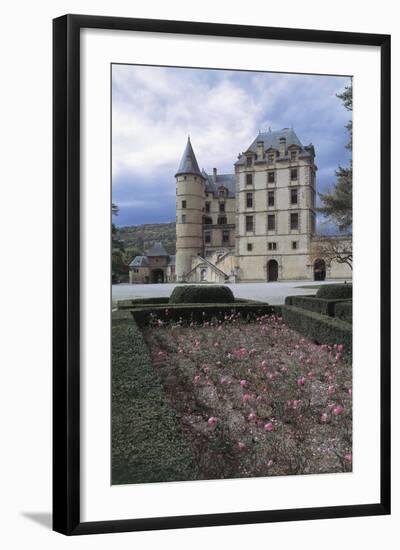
[260, 150]
[282, 146]
[214, 175]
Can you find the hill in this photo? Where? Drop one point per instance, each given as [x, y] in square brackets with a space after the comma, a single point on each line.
[139, 238]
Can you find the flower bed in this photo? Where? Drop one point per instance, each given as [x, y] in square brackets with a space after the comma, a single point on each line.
[255, 398]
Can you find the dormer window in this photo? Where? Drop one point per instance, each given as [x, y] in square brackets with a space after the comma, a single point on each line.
[293, 155]
[249, 161]
[271, 157]
[222, 192]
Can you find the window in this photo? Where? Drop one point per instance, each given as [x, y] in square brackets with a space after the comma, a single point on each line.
[293, 155]
[249, 223]
[271, 222]
[293, 196]
[293, 174]
[294, 245]
[221, 220]
[207, 237]
[271, 177]
[208, 220]
[183, 218]
[222, 207]
[271, 157]
[183, 204]
[271, 246]
[249, 200]
[271, 198]
[294, 221]
[225, 236]
[249, 247]
[249, 179]
[207, 207]
[222, 192]
[249, 161]
[312, 222]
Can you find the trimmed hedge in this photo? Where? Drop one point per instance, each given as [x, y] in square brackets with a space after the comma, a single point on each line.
[127, 304]
[199, 313]
[147, 441]
[311, 303]
[320, 328]
[336, 291]
[132, 304]
[344, 311]
[196, 294]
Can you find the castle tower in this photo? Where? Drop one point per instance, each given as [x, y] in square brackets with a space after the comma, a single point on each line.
[190, 200]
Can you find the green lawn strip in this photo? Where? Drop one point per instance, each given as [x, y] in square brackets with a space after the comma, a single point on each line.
[147, 442]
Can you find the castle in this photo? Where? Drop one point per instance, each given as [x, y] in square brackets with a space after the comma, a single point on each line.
[257, 224]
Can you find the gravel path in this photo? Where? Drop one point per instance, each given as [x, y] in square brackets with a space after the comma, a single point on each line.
[273, 293]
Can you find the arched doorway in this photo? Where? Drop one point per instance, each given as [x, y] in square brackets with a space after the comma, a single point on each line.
[157, 276]
[272, 271]
[319, 270]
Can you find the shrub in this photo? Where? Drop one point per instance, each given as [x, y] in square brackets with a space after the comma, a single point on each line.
[338, 291]
[201, 295]
[344, 311]
[138, 302]
[320, 328]
[311, 303]
[200, 312]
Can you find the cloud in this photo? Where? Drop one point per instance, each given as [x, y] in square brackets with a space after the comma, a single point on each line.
[155, 108]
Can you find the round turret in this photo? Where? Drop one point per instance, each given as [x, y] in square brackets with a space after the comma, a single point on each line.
[190, 201]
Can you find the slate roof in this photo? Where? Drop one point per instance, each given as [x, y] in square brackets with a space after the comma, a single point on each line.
[157, 250]
[188, 163]
[227, 180]
[271, 140]
[139, 261]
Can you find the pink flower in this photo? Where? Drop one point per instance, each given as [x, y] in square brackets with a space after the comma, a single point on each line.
[243, 383]
[212, 421]
[240, 353]
[269, 463]
[301, 381]
[337, 410]
[251, 417]
[340, 347]
[246, 397]
[196, 378]
[348, 457]
[331, 389]
[241, 446]
[268, 427]
[323, 418]
[350, 391]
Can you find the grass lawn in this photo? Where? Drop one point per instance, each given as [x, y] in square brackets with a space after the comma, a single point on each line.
[255, 399]
[147, 441]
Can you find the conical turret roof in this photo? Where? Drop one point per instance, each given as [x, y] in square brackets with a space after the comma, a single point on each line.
[188, 163]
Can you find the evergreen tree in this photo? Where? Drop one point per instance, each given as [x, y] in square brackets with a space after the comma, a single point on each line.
[336, 205]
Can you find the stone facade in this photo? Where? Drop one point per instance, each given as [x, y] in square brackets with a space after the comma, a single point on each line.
[156, 266]
[258, 224]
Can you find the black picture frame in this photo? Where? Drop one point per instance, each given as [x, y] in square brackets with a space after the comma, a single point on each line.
[66, 273]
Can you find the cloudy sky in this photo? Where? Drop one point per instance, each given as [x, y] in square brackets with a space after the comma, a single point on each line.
[154, 109]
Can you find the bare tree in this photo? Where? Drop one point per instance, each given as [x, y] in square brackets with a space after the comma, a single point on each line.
[333, 249]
